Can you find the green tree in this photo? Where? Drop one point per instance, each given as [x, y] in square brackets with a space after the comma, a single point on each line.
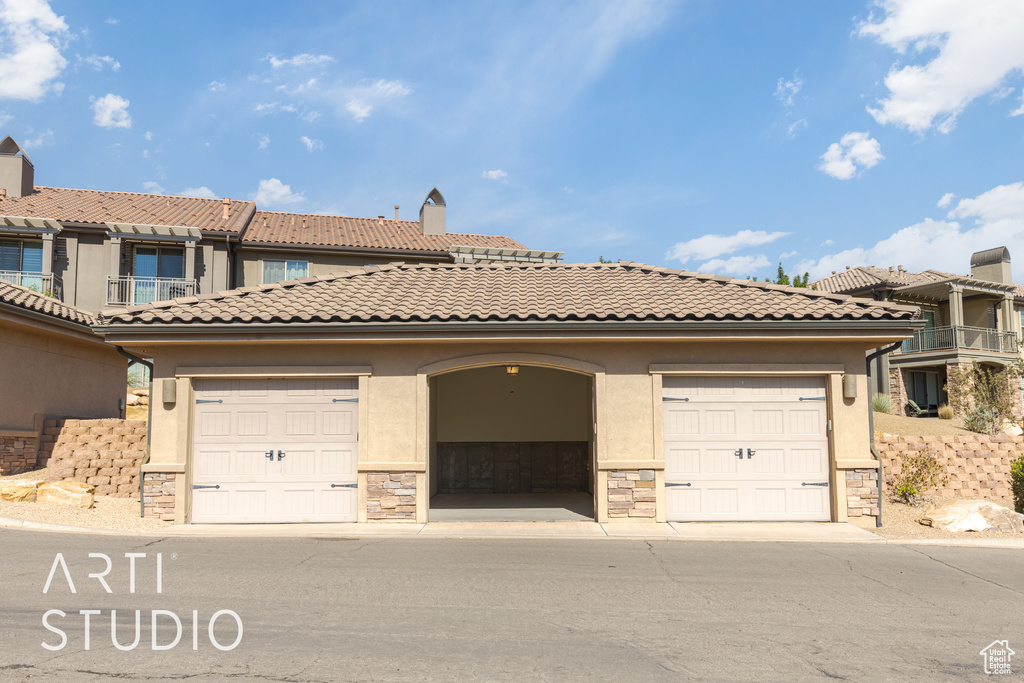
[796, 281]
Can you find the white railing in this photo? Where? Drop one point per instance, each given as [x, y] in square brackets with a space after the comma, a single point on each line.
[46, 284]
[960, 337]
[128, 290]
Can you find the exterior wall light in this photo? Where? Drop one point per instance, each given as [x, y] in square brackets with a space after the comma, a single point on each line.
[512, 369]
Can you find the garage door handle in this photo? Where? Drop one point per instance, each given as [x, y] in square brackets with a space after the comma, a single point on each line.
[208, 400]
[270, 454]
[672, 483]
[280, 454]
[815, 483]
[750, 453]
[812, 398]
[739, 453]
[202, 486]
[344, 400]
[344, 486]
[673, 398]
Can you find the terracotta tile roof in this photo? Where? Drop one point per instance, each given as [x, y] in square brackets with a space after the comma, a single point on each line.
[272, 227]
[865, 277]
[22, 297]
[70, 205]
[521, 292]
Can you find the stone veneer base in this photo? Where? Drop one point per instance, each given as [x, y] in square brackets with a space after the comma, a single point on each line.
[631, 493]
[158, 497]
[391, 496]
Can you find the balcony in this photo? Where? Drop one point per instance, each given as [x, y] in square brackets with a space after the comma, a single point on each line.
[46, 284]
[959, 337]
[128, 290]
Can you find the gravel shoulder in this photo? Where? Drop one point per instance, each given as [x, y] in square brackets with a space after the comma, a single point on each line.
[899, 522]
[117, 514]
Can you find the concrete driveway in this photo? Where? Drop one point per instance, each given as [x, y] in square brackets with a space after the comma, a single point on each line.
[414, 609]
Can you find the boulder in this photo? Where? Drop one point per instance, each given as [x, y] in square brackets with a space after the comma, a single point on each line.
[67, 492]
[972, 515]
[132, 399]
[20, 490]
[1011, 429]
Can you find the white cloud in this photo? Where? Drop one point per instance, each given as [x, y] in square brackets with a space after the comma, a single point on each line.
[111, 111]
[1019, 110]
[304, 59]
[827, 243]
[148, 135]
[998, 220]
[362, 99]
[787, 254]
[274, 107]
[203, 192]
[711, 246]
[273, 192]
[787, 89]
[264, 142]
[44, 138]
[736, 265]
[312, 144]
[311, 116]
[854, 151]
[217, 86]
[496, 174]
[976, 45]
[112, 21]
[30, 42]
[153, 186]
[796, 127]
[945, 200]
[1002, 94]
[99, 63]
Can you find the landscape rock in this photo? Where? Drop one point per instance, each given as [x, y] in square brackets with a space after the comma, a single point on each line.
[20, 490]
[972, 515]
[67, 492]
[133, 399]
[1011, 429]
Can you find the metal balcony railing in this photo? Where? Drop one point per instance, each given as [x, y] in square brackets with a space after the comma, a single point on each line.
[960, 337]
[128, 290]
[46, 284]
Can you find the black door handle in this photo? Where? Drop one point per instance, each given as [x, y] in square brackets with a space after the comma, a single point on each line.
[750, 453]
[280, 454]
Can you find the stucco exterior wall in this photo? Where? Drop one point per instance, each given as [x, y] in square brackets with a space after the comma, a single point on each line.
[320, 263]
[488, 404]
[92, 266]
[394, 420]
[977, 312]
[49, 373]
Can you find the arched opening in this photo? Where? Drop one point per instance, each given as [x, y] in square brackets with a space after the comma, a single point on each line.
[511, 442]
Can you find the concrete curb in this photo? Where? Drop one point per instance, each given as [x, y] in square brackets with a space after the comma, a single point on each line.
[497, 532]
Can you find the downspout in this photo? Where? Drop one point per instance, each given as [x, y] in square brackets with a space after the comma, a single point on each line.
[149, 426]
[871, 427]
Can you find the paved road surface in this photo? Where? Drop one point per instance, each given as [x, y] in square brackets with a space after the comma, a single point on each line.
[517, 610]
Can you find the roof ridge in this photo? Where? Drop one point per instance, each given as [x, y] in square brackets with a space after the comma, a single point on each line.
[142, 194]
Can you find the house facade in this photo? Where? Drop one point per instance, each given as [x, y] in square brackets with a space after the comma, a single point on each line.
[95, 249]
[658, 394]
[968, 318]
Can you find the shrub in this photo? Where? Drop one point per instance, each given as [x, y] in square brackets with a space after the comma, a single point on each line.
[945, 412]
[981, 420]
[1017, 483]
[917, 473]
[881, 403]
[985, 398]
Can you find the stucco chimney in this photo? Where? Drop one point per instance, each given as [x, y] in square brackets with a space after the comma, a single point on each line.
[227, 207]
[17, 174]
[992, 265]
[432, 214]
[396, 212]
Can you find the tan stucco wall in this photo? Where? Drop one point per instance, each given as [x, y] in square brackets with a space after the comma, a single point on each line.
[320, 263]
[628, 405]
[92, 266]
[50, 373]
[977, 312]
[488, 404]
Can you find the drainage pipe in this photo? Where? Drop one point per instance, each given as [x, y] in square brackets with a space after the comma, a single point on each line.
[149, 426]
[871, 427]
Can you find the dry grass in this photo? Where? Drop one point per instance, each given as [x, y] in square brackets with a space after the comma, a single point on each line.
[917, 426]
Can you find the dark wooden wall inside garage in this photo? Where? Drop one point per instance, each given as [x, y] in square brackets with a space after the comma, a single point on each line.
[516, 467]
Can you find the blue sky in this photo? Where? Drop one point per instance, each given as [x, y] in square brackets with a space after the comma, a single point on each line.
[713, 136]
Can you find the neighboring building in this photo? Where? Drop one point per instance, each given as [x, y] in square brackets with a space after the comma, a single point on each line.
[94, 249]
[968, 318]
[654, 394]
[51, 365]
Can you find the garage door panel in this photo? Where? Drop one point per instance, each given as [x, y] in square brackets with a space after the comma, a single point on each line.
[311, 422]
[778, 422]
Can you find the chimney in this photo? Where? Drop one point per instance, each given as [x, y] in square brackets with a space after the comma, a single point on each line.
[432, 214]
[892, 269]
[396, 212]
[992, 265]
[380, 219]
[17, 174]
[901, 268]
[227, 207]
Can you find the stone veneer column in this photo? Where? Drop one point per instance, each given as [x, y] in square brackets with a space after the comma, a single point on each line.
[862, 496]
[631, 494]
[158, 497]
[897, 390]
[391, 496]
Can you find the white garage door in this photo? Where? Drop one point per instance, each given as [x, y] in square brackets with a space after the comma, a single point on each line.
[745, 448]
[275, 450]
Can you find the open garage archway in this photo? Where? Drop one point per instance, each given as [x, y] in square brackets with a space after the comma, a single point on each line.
[511, 442]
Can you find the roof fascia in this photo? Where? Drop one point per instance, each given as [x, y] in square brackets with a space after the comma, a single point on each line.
[26, 316]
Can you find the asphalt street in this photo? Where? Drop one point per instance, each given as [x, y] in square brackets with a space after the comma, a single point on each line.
[421, 609]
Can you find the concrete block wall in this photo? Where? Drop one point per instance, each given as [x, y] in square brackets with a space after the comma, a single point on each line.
[104, 453]
[978, 465]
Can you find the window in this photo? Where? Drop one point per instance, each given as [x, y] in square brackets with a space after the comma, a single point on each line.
[21, 255]
[275, 271]
[159, 262]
